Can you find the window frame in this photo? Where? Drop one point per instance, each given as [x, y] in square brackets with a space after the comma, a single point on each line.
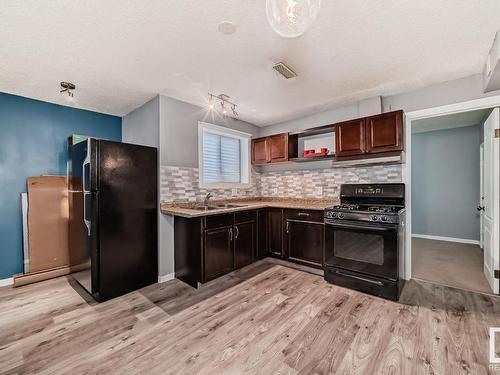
[245, 167]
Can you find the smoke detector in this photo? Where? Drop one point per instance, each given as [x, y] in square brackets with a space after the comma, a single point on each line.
[284, 70]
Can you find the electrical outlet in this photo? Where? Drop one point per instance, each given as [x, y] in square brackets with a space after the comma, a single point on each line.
[234, 192]
[275, 191]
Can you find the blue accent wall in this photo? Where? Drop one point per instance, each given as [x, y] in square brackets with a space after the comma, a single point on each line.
[33, 142]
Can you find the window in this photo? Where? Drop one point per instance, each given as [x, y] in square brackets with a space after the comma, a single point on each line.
[224, 160]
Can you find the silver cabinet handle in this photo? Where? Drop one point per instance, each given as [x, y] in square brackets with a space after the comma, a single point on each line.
[237, 231]
[230, 234]
[303, 214]
[288, 227]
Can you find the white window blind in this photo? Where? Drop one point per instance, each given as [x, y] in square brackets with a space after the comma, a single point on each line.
[221, 158]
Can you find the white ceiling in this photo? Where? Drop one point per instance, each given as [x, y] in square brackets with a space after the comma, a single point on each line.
[457, 120]
[121, 53]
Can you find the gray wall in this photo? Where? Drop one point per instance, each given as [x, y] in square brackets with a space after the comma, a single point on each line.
[141, 126]
[179, 131]
[445, 182]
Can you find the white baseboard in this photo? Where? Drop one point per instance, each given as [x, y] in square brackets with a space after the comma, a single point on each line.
[7, 282]
[165, 278]
[449, 239]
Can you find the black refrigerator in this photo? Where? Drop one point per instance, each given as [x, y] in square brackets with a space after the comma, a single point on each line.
[113, 216]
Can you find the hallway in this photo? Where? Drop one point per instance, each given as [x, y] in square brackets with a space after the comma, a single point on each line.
[449, 263]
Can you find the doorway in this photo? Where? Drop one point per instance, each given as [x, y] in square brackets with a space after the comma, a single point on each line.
[452, 235]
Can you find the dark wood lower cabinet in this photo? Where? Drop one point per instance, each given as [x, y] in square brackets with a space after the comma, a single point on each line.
[262, 234]
[218, 252]
[212, 246]
[244, 244]
[275, 233]
[305, 241]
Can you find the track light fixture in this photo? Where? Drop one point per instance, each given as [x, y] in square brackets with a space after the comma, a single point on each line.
[68, 87]
[223, 99]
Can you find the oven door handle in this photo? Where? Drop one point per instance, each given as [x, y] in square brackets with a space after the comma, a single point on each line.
[363, 227]
[376, 282]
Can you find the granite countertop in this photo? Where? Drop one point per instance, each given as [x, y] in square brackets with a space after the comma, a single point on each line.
[186, 209]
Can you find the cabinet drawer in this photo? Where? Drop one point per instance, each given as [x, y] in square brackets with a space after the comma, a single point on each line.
[244, 216]
[218, 221]
[306, 215]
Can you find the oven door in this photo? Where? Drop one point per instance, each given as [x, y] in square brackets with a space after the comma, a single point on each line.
[369, 248]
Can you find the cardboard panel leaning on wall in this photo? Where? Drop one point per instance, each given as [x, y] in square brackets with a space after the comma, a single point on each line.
[48, 222]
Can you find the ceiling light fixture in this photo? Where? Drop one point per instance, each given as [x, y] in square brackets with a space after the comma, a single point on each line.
[223, 99]
[291, 18]
[68, 87]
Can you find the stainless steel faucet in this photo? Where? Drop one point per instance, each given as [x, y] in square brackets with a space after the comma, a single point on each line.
[207, 197]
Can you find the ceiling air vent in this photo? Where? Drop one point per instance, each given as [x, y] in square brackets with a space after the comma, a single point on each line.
[284, 70]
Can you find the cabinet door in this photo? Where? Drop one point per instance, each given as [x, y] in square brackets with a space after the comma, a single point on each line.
[278, 149]
[305, 241]
[260, 151]
[275, 231]
[244, 244]
[219, 255]
[262, 237]
[384, 132]
[350, 138]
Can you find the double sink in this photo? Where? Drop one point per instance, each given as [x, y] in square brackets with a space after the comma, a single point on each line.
[216, 207]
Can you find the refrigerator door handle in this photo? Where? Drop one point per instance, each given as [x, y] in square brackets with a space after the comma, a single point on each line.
[87, 222]
[86, 192]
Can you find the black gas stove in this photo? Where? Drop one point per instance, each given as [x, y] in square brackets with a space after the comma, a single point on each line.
[364, 239]
[365, 212]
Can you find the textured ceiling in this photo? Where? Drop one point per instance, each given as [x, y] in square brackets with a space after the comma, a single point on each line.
[121, 53]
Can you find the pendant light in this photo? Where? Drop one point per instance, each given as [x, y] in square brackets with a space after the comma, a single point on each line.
[291, 18]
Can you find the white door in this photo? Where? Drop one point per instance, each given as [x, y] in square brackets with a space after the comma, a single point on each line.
[480, 206]
[491, 216]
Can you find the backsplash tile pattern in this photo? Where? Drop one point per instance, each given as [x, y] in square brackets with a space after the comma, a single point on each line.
[181, 184]
[323, 183]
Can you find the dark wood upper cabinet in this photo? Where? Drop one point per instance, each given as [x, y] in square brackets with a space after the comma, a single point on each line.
[384, 133]
[278, 149]
[272, 149]
[219, 255]
[350, 138]
[370, 135]
[260, 151]
[275, 233]
[244, 244]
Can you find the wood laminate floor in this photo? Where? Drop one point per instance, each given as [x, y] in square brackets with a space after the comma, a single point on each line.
[264, 319]
[449, 263]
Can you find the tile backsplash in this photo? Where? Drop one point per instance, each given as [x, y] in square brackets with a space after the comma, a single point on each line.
[181, 184]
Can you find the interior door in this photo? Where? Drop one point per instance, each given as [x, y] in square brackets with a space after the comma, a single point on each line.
[491, 217]
[480, 206]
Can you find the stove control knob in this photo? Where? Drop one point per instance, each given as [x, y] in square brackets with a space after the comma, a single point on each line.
[341, 216]
[334, 215]
[384, 218]
[374, 217]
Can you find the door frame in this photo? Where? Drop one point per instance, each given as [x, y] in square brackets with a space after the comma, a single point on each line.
[449, 109]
